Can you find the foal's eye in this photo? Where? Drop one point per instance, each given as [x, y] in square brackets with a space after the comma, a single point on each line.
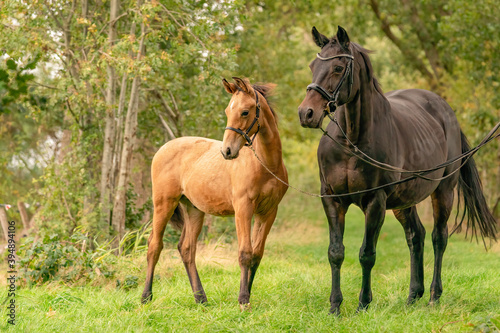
[338, 69]
[244, 113]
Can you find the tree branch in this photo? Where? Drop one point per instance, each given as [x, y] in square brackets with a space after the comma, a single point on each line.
[182, 26]
[411, 57]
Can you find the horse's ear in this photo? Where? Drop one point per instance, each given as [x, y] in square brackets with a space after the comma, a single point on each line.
[319, 39]
[242, 84]
[343, 38]
[230, 87]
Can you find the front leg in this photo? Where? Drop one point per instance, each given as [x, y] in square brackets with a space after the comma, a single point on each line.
[243, 218]
[261, 228]
[374, 218]
[335, 213]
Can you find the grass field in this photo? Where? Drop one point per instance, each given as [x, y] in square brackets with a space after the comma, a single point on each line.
[291, 290]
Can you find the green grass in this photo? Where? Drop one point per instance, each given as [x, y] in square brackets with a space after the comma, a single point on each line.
[291, 290]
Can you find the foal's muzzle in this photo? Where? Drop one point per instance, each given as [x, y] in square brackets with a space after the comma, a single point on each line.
[229, 153]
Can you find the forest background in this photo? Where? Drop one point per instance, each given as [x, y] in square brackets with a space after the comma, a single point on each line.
[90, 89]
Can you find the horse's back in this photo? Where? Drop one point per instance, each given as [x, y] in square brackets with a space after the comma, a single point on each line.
[426, 116]
[182, 151]
[194, 167]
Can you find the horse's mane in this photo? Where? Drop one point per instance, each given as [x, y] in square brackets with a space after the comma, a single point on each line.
[369, 69]
[266, 90]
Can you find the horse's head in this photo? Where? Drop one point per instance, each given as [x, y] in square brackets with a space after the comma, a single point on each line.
[242, 117]
[332, 80]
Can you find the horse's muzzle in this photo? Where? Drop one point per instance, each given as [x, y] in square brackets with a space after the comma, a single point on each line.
[308, 118]
[228, 154]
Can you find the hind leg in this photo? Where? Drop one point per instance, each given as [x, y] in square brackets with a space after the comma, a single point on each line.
[415, 236]
[163, 210]
[187, 249]
[442, 202]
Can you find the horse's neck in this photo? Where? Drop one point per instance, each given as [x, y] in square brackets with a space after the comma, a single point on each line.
[267, 142]
[363, 113]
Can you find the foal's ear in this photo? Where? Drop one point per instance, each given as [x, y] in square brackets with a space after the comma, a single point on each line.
[230, 87]
[319, 39]
[343, 38]
[242, 84]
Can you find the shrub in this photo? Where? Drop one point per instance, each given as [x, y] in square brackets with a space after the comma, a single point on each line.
[68, 259]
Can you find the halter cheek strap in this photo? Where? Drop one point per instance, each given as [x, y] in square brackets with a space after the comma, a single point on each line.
[255, 120]
[333, 97]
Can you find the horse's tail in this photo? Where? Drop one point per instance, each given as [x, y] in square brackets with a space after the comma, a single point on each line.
[177, 219]
[475, 206]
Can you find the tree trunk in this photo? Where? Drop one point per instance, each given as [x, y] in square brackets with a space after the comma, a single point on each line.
[109, 134]
[5, 223]
[24, 215]
[120, 199]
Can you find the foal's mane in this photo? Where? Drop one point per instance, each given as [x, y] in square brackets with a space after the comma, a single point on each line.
[266, 90]
[369, 69]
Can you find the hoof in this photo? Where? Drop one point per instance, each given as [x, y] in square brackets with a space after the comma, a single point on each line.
[433, 302]
[413, 299]
[335, 311]
[246, 307]
[435, 296]
[146, 298]
[201, 299]
[362, 308]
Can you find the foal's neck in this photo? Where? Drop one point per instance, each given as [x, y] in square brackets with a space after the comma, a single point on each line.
[267, 142]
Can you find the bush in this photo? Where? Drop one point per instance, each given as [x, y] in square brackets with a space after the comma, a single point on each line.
[69, 259]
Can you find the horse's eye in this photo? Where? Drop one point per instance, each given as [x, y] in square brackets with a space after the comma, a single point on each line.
[244, 113]
[338, 69]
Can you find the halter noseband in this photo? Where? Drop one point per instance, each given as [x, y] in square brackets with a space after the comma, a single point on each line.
[332, 98]
[256, 120]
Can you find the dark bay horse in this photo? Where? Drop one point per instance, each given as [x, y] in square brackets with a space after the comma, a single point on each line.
[191, 177]
[406, 129]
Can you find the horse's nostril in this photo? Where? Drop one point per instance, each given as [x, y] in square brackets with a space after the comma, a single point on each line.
[309, 113]
[228, 151]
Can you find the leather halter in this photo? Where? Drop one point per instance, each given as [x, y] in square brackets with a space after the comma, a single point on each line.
[332, 98]
[255, 120]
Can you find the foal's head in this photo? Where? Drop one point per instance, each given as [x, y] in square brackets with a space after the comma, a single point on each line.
[241, 117]
[332, 73]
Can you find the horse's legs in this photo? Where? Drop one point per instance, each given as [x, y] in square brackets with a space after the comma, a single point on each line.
[374, 218]
[442, 202]
[187, 249]
[335, 213]
[243, 219]
[261, 228]
[415, 236]
[163, 210]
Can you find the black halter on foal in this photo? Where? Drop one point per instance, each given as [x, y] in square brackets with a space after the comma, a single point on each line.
[332, 98]
[256, 120]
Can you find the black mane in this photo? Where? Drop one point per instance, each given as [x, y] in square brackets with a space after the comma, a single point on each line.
[366, 59]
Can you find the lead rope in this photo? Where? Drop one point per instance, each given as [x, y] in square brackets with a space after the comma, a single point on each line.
[416, 174]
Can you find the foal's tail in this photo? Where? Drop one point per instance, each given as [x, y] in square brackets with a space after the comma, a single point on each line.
[475, 206]
[177, 219]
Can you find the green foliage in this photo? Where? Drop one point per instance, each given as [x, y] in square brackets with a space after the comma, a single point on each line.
[66, 259]
[134, 215]
[130, 282]
[60, 84]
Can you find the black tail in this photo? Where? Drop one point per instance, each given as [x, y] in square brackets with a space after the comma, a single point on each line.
[178, 217]
[475, 207]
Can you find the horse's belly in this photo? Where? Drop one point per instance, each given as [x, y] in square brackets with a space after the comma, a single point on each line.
[408, 195]
[209, 194]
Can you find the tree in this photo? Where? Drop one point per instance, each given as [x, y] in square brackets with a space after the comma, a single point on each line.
[121, 77]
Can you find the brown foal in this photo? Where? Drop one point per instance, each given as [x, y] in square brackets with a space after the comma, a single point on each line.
[194, 176]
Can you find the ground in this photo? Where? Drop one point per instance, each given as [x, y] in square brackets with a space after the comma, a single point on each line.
[291, 290]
